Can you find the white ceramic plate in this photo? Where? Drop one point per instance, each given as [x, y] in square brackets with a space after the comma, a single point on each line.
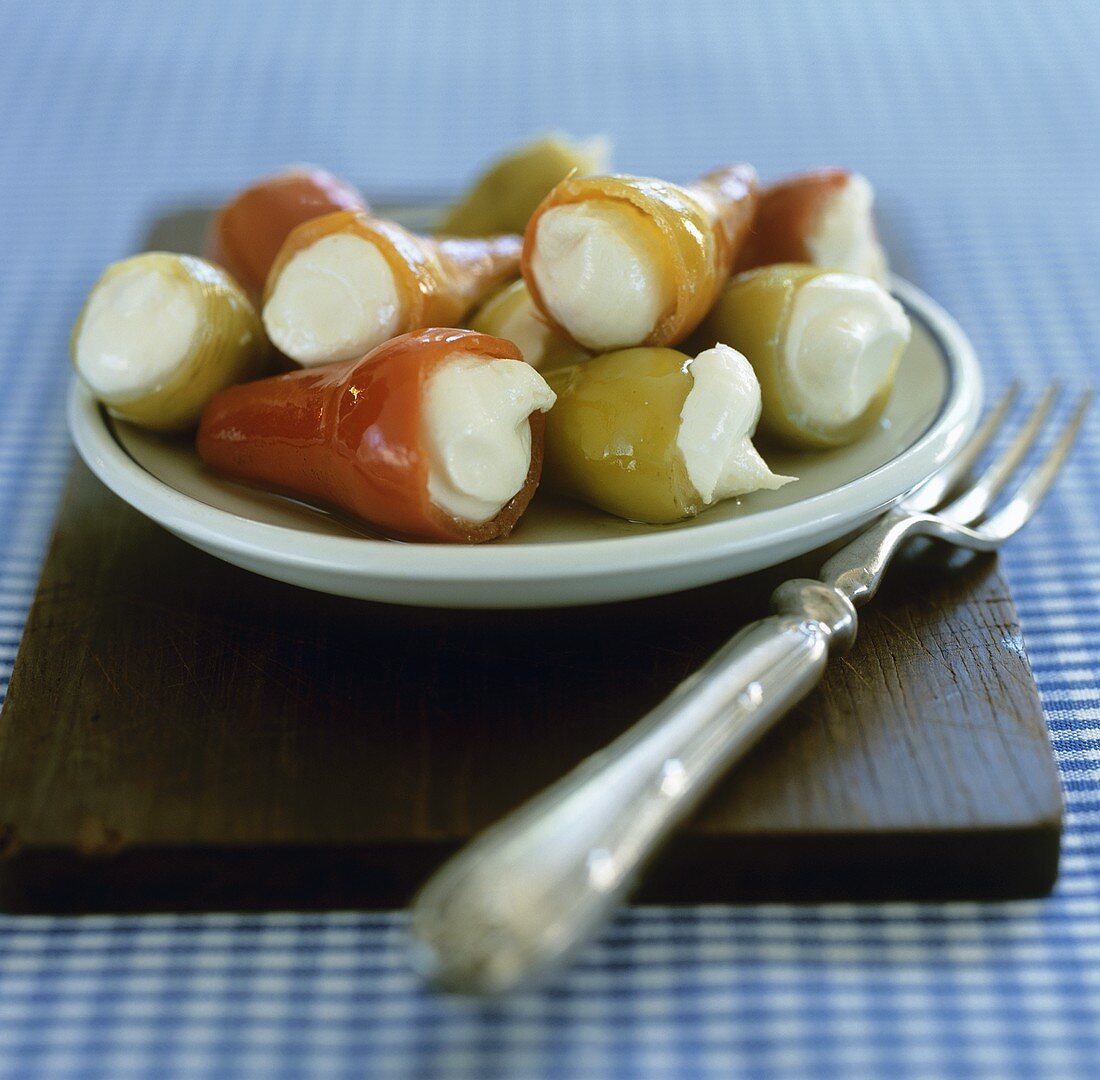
[562, 553]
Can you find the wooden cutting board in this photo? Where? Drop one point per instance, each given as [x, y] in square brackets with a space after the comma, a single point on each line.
[180, 734]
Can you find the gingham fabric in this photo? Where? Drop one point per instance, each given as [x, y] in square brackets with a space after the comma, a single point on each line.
[979, 124]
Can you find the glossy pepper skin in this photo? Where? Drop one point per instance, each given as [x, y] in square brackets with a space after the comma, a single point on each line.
[611, 436]
[699, 231]
[248, 231]
[348, 436]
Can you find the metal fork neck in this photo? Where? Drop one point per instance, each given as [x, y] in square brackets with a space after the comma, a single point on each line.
[857, 570]
[849, 579]
[824, 604]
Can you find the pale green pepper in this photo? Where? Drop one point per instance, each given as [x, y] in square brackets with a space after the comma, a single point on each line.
[653, 435]
[505, 196]
[825, 346]
[160, 334]
[511, 314]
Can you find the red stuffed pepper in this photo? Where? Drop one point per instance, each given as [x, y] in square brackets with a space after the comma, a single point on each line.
[435, 435]
[824, 217]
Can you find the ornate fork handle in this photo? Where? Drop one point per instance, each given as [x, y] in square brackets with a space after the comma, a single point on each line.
[529, 889]
[536, 885]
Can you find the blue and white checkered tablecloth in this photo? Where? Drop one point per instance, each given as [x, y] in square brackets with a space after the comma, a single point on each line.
[979, 122]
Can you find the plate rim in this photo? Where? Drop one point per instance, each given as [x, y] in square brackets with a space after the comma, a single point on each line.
[212, 527]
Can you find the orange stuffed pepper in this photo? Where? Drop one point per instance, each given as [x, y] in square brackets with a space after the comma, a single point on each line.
[346, 282]
[620, 261]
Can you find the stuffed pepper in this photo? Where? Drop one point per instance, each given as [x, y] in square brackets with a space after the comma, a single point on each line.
[825, 346]
[506, 194]
[160, 334]
[511, 314]
[435, 435]
[824, 217]
[346, 282]
[616, 261]
[654, 435]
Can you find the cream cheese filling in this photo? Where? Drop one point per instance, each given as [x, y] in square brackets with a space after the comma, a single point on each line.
[334, 300]
[844, 236]
[476, 432]
[139, 328]
[717, 422]
[840, 346]
[596, 276]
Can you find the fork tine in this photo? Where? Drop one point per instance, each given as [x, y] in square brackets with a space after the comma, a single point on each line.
[1030, 494]
[938, 487]
[971, 505]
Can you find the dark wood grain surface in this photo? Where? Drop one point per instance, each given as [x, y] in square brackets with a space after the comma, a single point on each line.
[180, 734]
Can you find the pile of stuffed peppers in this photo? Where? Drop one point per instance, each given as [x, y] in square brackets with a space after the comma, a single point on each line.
[619, 340]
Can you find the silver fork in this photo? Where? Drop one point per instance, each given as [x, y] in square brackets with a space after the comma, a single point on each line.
[535, 886]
